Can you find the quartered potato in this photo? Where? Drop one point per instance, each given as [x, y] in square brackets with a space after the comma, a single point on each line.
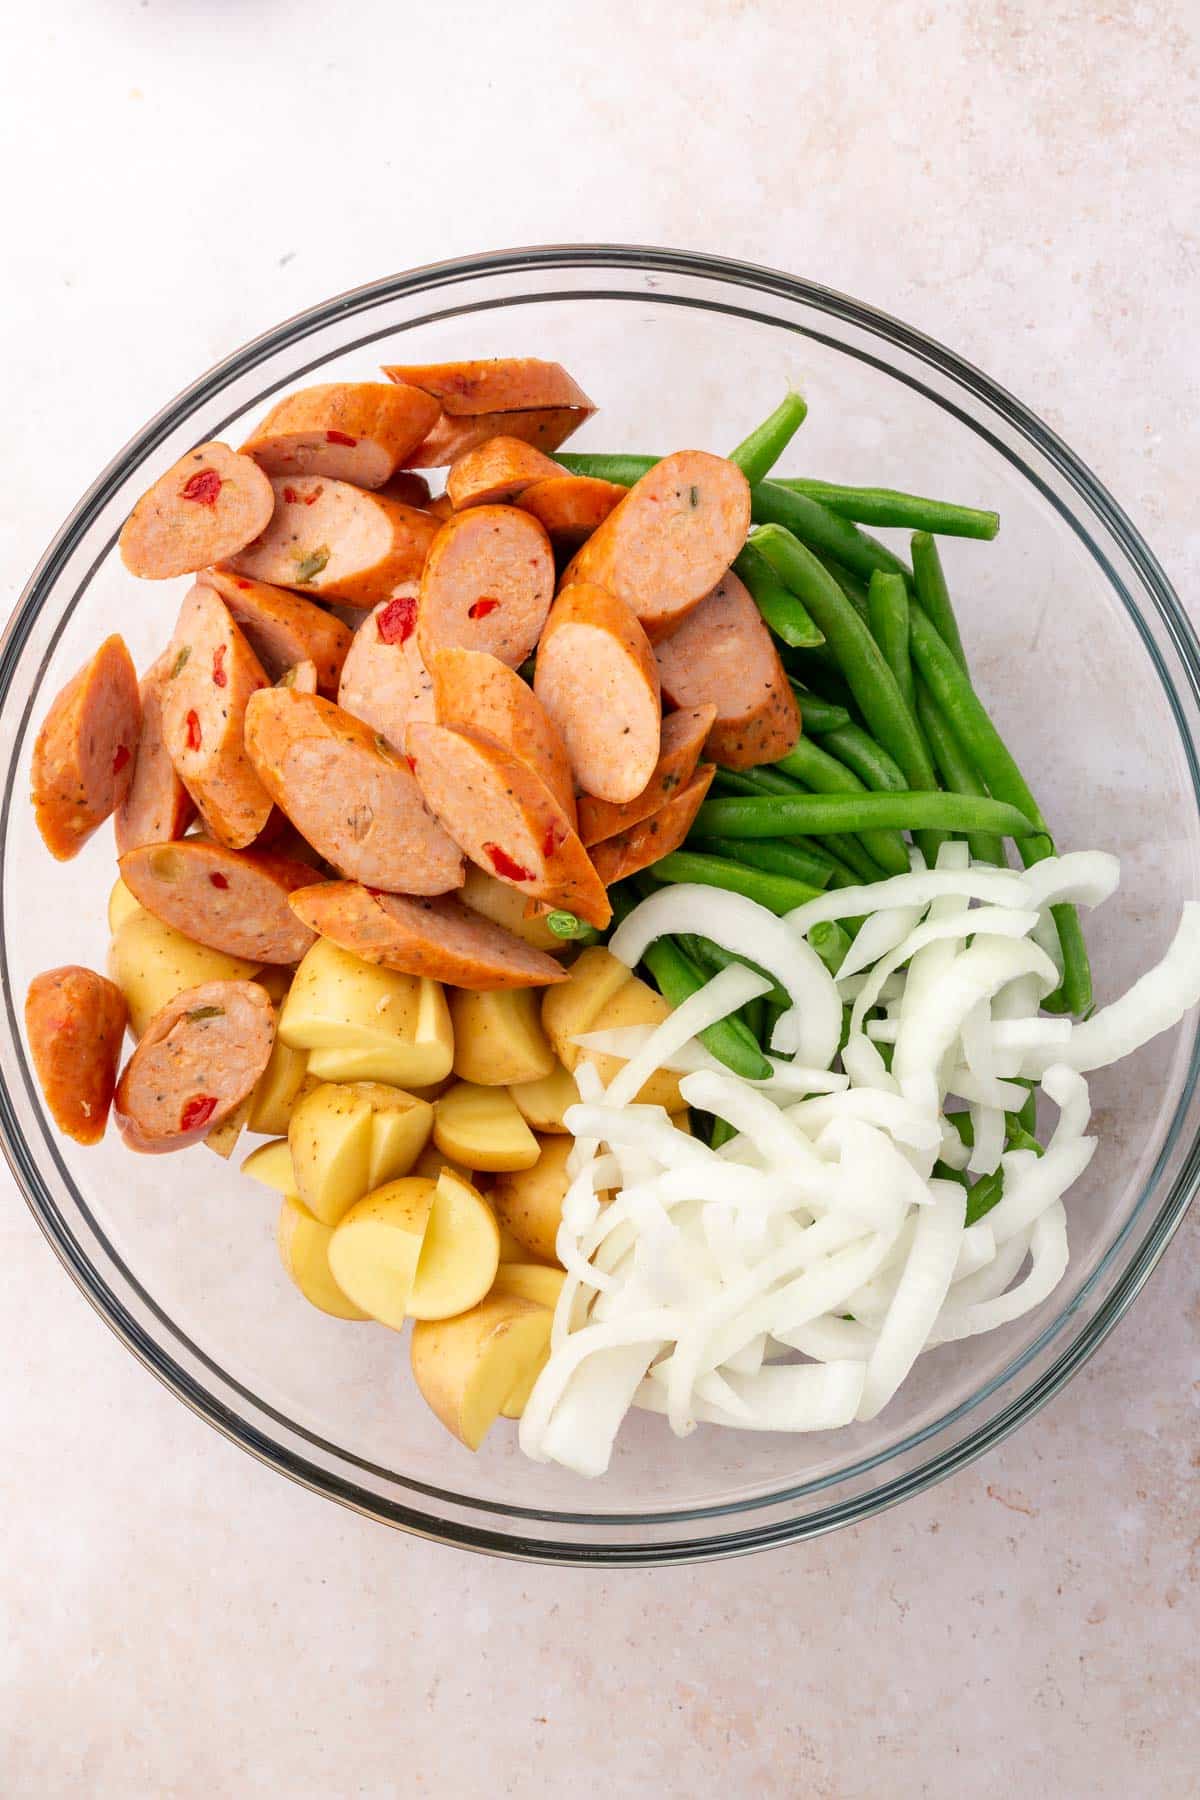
[222, 1139]
[375, 1250]
[400, 1128]
[304, 1252]
[283, 1082]
[468, 1367]
[528, 1202]
[531, 1281]
[543, 1103]
[362, 1022]
[121, 905]
[482, 1128]
[346, 1140]
[152, 963]
[461, 1252]
[272, 1165]
[498, 1036]
[602, 995]
[505, 906]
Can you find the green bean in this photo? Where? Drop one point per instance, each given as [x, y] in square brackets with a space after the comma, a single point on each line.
[566, 925]
[1017, 1138]
[623, 470]
[983, 1195]
[817, 715]
[851, 864]
[755, 1015]
[1027, 1116]
[799, 861]
[887, 614]
[708, 955]
[729, 1040]
[887, 506]
[831, 943]
[778, 893]
[955, 770]
[859, 751]
[824, 774]
[787, 616]
[994, 763]
[852, 585]
[929, 580]
[871, 680]
[821, 529]
[720, 1132]
[801, 815]
[757, 455]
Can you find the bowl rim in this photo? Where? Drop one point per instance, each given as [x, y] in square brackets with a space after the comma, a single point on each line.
[765, 1534]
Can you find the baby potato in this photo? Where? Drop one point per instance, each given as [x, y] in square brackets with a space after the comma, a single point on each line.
[636, 1004]
[367, 1023]
[304, 1252]
[498, 1036]
[222, 1139]
[460, 1254]
[400, 1127]
[467, 1367]
[532, 1281]
[529, 1201]
[571, 1007]
[482, 1128]
[543, 1103]
[151, 963]
[121, 906]
[375, 1249]
[272, 1165]
[330, 1138]
[511, 1251]
[278, 1089]
[431, 1162]
[505, 906]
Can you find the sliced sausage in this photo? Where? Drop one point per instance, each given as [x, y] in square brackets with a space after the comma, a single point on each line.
[723, 654]
[656, 836]
[497, 472]
[231, 900]
[301, 678]
[359, 431]
[84, 753]
[408, 486]
[337, 541]
[514, 396]
[487, 585]
[384, 682]
[506, 819]
[349, 794]
[211, 504]
[478, 692]
[683, 735]
[441, 508]
[597, 678]
[195, 1062]
[545, 427]
[212, 675]
[283, 628]
[671, 538]
[440, 938]
[75, 1021]
[571, 507]
[156, 806]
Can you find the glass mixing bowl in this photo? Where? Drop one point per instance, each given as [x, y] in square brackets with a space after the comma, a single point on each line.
[1078, 644]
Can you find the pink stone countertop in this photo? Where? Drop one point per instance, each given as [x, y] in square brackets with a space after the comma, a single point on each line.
[1017, 179]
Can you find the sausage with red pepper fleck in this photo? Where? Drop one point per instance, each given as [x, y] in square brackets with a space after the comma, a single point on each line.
[337, 542]
[571, 507]
[198, 1059]
[211, 504]
[683, 735]
[84, 755]
[597, 678]
[384, 682]
[514, 396]
[75, 1021]
[440, 938]
[282, 628]
[231, 900]
[349, 794]
[487, 585]
[653, 837]
[359, 431]
[156, 805]
[212, 676]
[480, 693]
[497, 472]
[723, 654]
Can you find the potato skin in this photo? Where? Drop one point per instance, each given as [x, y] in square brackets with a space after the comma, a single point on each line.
[498, 1037]
[466, 1367]
[529, 1201]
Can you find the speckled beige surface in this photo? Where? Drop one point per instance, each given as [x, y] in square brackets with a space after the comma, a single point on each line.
[1019, 180]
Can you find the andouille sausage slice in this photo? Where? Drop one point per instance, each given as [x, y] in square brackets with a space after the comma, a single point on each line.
[497, 472]
[671, 539]
[408, 486]
[231, 900]
[84, 753]
[337, 541]
[75, 1021]
[441, 508]
[212, 503]
[597, 678]
[283, 628]
[723, 653]
[683, 735]
[506, 819]
[477, 692]
[655, 836]
[384, 681]
[156, 805]
[487, 585]
[301, 678]
[195, 1062]
[515, 396]
[439, 937]
[359, 431]
[212, 676]
[349, 794]
[571, 507]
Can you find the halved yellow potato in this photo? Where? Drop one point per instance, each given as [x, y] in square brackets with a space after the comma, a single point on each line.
[481, 1127]
[121, 906]
[400, 1128]
[529, 1201]
[505, 906]
[635, 1004]
[571, 1007]
[375, 1250]
[222, 1139]
[511, 1251]
[278, 1089]
[431, 1162]
[532, 1281]
[467, 1367]
[330, 1138]
[304, 1252]
[461, 1252]
[498, 1036]
[272, 1165]
[362, 1022]
[543, 1103]
[518, 1400]
[151, 963]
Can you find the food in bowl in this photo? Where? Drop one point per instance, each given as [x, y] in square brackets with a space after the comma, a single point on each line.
[552, 736]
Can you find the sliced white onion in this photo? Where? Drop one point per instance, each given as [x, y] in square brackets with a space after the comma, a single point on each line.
[999, 887]
[880, 933]
[728, 990]
[586, 1420]
[1048, 1248]
[988, 1148]
[1084, 877]
[943, 929]
[919, 1297]
[928, 1032]
[890, 1111]
[792, 1397]
[865, 1067]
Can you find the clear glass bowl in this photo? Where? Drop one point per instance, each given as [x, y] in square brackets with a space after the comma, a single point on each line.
[1080, 647]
